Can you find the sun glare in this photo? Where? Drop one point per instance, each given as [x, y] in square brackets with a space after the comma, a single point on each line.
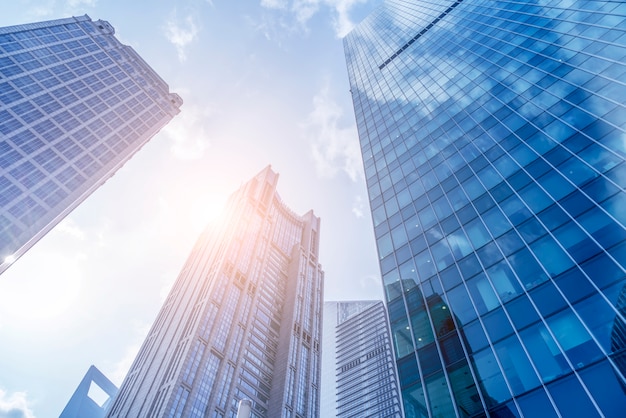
[206, 209]
[31, 293]
[9, 259]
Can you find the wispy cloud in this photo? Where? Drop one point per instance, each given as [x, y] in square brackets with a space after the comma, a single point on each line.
[304, 10]
[44, 8]
[335, 148]
[275, 4]
[341, 19]
[189, 132]
[14, 405]
[180, 33]
[358, 207]
[121, 368]
[77, 3]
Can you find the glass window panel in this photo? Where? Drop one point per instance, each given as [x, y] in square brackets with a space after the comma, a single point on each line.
[606, 388]
[459, 244]
[477, 233]
[573, 338]
[464, 389]
[425, 265]
[515, 210]
[504, 281]
[450, 277]
[415, 402]
[474, 337]
[408, 371]
[402, 338]
[385, 246]
[439, 396]
[571, 399]
[392, 284]
[398, 236]
[482, 294]
[440, 314]
[497, 324]
[601, 227]
[544, 352]
[537, 404]
[517, 368]
[463, 310]
[602, 270]
[577, 171]
[422, 331]
[600, 319]
[441, 254]
[490, 378]
[428, 357]
[527, 269]
[551, 256]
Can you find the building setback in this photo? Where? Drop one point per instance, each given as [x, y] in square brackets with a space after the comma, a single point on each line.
[242, 321]
[358, 369]
[75, 105]
[493, 139]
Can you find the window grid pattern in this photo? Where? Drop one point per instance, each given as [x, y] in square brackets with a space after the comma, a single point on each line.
[243, 314]
[365, 379]
[495, 163]
[75, 104]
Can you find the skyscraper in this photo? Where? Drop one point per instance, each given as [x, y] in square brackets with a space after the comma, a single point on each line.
[242, 321]
[91, 397]
[75, 105]
[358, 372]
[493, 139]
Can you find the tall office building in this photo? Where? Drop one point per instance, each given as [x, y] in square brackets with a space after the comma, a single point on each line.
[75, 105]
[242, 321]
[493, 136]
[358, 370]
[92, 396]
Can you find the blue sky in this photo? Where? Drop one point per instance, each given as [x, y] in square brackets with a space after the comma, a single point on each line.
[264, 82]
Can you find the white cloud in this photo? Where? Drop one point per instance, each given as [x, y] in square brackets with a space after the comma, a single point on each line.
[304, 10]
[189, 132]
[121, 368]
[341, 21]
[14, 405]
[77, 3]
[181, 33]
[68, 227]
[335, 148]
[274, 4]
[358, 208]
[367, 283]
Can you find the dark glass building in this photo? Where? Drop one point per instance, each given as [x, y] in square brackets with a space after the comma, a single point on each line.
[75, 105]
[493, 136]
[242, 321]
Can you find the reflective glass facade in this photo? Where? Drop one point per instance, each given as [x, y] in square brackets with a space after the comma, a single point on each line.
[75, 105]
[493, 136]
[358, 370]
[242, 321]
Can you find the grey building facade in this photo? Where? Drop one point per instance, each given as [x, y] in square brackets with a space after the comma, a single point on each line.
[242, 321]
[492, 135]
[358, 369]
[75, 105]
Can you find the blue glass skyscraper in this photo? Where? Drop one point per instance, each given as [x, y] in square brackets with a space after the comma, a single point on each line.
[75, 105]
[493, 136]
